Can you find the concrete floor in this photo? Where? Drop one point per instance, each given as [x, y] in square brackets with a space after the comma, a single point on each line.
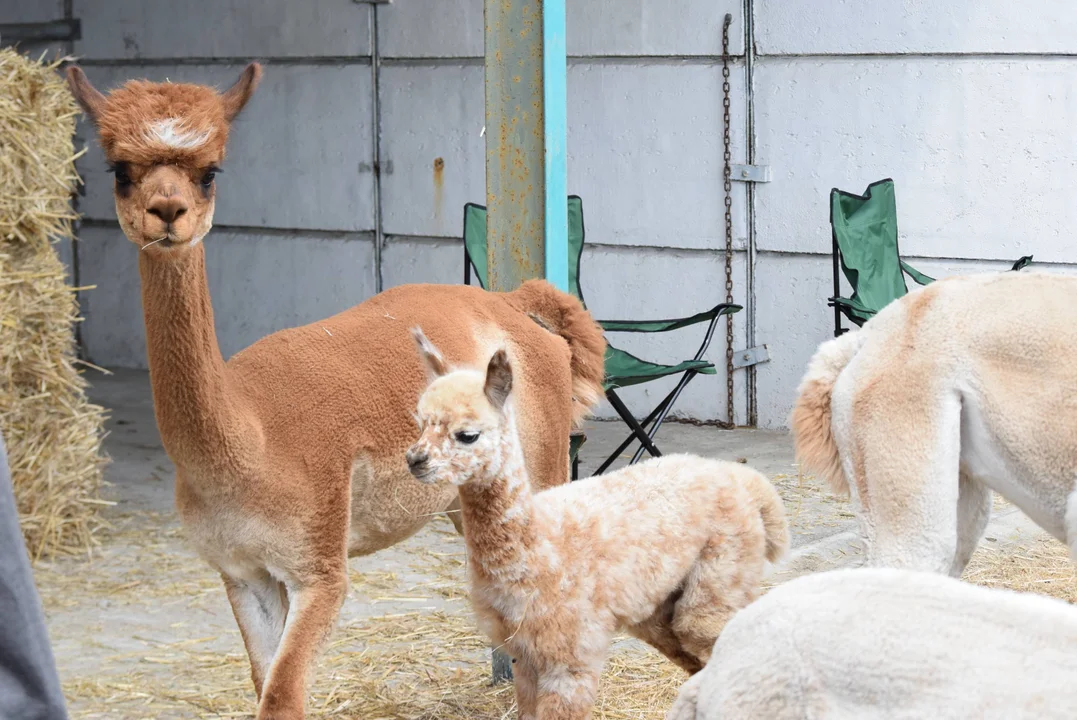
[144, 592]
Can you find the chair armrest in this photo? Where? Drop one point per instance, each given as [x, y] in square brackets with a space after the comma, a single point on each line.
[652, 326]
[916, 275]
[857, 313]
[1023, 262]
[851, 304]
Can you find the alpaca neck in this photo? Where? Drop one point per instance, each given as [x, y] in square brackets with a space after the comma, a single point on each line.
[197, 415]
[498, 515]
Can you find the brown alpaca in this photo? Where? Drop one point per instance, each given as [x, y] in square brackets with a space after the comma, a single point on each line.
[668, 549]
[290, 456]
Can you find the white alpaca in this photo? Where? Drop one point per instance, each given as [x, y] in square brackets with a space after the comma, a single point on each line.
[869, 644]
[667, 549]
[963, 387]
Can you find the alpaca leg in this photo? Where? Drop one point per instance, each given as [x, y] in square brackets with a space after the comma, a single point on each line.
[657, 631]
[312, 612]
[567, 692]
[525, 678]
[260, 606]
[725, 579]
[973, 513]
[1071, 524]
[664, 640]
[454, 514]
[904, 465]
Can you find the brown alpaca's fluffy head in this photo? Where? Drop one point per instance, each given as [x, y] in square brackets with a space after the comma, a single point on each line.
[464, 419]
[164, 143]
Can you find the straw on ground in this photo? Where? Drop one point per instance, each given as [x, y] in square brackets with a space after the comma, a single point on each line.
[419, 657]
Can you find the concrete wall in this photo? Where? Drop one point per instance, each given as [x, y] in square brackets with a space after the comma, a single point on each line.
[969, 106]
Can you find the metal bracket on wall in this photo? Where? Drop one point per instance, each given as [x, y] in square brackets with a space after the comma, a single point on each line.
[749, 173]
[751, 356]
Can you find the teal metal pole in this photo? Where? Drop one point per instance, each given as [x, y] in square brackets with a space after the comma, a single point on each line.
[555, 119]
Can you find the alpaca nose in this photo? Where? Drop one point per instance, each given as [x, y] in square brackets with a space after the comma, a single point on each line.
[168, 207]
[417, 460]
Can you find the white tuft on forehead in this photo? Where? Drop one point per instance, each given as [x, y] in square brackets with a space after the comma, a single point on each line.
[175, 134]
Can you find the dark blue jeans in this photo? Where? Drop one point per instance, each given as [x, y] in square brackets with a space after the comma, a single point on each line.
[29, 685]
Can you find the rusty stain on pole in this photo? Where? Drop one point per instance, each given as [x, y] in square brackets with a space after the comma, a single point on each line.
[515, 143]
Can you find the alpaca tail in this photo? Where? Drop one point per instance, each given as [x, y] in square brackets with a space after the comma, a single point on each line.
[564, 315]
[813, 437]
[772, 510]
[685, 706]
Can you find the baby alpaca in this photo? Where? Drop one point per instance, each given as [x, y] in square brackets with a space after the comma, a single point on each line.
[667, 549]
[882, 643]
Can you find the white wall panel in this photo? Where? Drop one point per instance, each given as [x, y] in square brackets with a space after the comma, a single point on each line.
[915, 26]
[439, 28]
[645, 152]
[983, 152]
[222, 28]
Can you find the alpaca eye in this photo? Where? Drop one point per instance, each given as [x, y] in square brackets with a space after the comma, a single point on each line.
[120, 172]
[466, 438]
[207, 179]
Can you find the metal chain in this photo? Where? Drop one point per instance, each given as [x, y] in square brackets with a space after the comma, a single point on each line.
[727, 184]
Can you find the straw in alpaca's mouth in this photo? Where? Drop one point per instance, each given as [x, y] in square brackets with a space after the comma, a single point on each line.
[166, 240]
[170, 241]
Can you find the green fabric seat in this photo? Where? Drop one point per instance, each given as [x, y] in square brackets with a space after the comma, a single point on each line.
[865, 247]
[622, 368]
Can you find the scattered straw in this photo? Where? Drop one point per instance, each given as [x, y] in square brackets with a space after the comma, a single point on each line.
[417, 656]
[1041, 566]
[53, 435]
[420, 657]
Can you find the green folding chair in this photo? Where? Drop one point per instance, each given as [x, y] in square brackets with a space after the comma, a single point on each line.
[622, 369]
[865, 246]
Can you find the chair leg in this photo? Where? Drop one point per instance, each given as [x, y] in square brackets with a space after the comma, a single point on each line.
[638, 433]
[665, 408]
[632, 437]
[657, 417]
[500, 667]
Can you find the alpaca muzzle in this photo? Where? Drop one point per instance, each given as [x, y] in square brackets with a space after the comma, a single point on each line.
[419, 465]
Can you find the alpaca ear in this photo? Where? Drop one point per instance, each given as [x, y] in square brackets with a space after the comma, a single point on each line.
[498, 379]
[89, 98]
[432, 359]
[234, 98]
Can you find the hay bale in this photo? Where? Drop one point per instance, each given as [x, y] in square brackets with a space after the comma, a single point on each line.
[53, 435]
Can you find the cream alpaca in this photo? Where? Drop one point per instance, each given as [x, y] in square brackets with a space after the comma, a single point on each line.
[886, 644]
[963, 387]
[667, 549]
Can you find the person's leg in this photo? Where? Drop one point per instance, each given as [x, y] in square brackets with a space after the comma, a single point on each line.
[29, 685]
